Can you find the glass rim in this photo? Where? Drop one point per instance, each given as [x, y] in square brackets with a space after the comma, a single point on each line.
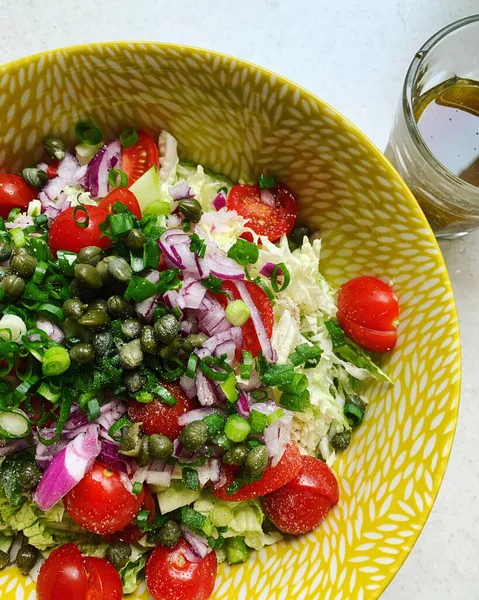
[407, 100]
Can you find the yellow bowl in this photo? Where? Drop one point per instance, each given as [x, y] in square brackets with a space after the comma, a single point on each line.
[239, 119]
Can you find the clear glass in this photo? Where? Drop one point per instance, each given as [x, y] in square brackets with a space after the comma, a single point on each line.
[450, 204]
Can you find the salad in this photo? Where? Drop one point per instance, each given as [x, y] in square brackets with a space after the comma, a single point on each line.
[177, 377]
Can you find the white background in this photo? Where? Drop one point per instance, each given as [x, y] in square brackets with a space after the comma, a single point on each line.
[354, 55]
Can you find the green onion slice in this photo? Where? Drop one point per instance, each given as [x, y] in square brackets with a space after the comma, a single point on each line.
[88, 133]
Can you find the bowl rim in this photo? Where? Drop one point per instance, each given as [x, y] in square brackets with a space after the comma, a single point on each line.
[379, 156]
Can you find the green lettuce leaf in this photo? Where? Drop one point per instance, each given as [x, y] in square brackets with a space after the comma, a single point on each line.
[129, 574]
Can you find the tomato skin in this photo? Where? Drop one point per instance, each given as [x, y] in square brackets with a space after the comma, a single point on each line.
[63, 575]
[52, 170]
[263, 219]
[140, 157]
[158, 417]
[14, 193]
[104, 582]
[301, 505]
[100, 503]
[131, 533]
[273, 478]
[170, 576]
[65, 234]
[368, 312]
[124, 196]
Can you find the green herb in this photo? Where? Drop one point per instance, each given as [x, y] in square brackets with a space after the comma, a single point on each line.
[257, 421]
[93, 409]
[142, 520]
[266, 182]
[140, 289]
[307, 355]
[216, 423]
[277, 375]
[67, 261]
[244, 252]
[214, 284]
[197, 245]
[120, 224]
[151, 254]
[190, 478]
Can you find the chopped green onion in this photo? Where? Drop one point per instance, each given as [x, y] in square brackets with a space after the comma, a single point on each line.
[247, 365]
[137, 488]
[88, 133]
[113, 176]
[237, 313]
[12, 214]
[277, 375]
[164, 395]
[51, 311]
[93, 409]
[18, 237]
[229, 388]
[83, 224]
[151, 254]
[236, 550]
[260, 395]
[116, 427]
[2, 224]
[306, 354]
[173, 368]
[244, 252]
[335, 333]
[298, 384]
[140, 289]
[191, 366]
[274, 277]
[197, 245]
[215, 424]
[214, 284]
[40, 220]
[21, 390]
[190, 478]
[49, 391]
[137, 263]
[266, 182]
[169, 280]
[210, 361]
[55, 361]
[129, 137]
[257, 421]
[142, 520]
[295, 402]
[120, 223]
[277, 414]
[223, 189]
[40, 271]
[237, 429]
[67, 261]
[33, 292]
[158, 208]
[354, 414]
[39, 249]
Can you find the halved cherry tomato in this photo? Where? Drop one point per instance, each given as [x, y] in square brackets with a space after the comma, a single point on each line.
[368, 312]
[273, 477]
[52, 170]
[104, 582]
[171, 576]
[63, 575]
[263, 218]
[304, 502]
[14, 193]
[131, 533]
[262, 303]
[124, 196]
[140, 157]
[100, 503]
[159, 417]
[67, 234]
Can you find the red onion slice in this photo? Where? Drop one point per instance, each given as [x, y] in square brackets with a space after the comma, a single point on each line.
[224, 267]
[267, 269]
[243, 405]
[198, 544]
[205, 390]
[267, 198]
[180, 190]
[220, 201]
[263, 338]
[99, 168]
[197, 415]
[54, 331]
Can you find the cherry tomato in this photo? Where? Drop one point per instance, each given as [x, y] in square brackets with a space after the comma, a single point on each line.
[273, 477]
[264, 218]
[104, 582]
[140, 157]
[159, 417]
[368, 312]
[171, 576]
[66, 234]
[100, 503]
[52, 170]
[63, 575]
[304, 502]
[131, 533]
[124, 196]
[14, 193]
[264, 306]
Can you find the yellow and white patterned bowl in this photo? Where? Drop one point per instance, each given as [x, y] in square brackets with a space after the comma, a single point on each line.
[239, 119]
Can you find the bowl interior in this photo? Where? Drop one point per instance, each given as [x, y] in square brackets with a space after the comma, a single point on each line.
[240, 120]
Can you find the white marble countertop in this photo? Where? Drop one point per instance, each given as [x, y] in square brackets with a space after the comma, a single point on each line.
[354, 54]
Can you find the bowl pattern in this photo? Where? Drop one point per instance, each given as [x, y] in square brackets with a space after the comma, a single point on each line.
[241, 120]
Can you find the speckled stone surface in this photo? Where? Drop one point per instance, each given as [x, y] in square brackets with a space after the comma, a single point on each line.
[354, 55]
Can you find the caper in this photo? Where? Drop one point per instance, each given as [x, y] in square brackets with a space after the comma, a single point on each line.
[119, 269]
[82, 353]
[85, 335]
[159, 446]
[131, 328]
[194, 435]
[24, 265]
[144, 458]
[135, 240]
[257, 460]
[341, 440]
[192, 341]
[147, 340]
[131, 355]
[94, 320]
[130, 441]
[13, 286]
[74, 308]
[26, 558]
[297, 234]
[20, 250]
[5, 272]
[35, 177]
[102, 270]
[98, 304]
[118, 554]
[102, 342]
[4, 559]
[171, 350]
[79, 291]
[190, 209]
[119, 307]
[54, 147]
[169, 534]
[5, 251]
[237, 455]
[29, 476]
[134, 381]
[90, 255]
[88, 276]
[166, 329]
